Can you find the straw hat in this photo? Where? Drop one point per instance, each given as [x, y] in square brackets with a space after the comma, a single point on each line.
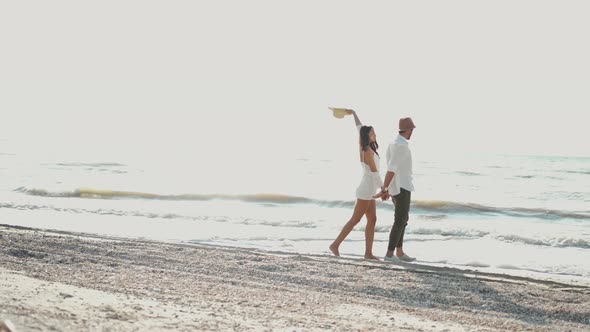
[406, 124]
[340, 112]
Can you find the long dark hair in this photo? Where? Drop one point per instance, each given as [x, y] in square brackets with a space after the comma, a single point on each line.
[365, 141]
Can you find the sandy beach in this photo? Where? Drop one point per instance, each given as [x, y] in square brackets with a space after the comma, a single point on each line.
[71, 282]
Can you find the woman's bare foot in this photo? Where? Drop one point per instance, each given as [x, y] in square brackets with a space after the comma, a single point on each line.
[334, 250]
[371, 257]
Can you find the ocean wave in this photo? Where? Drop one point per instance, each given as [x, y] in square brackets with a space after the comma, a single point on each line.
[111, 194]
[530, 176]
[466, 233]
[415, 233]
[476, 264]
[468, 173]
[171, 216]
[578, 172]
[432, 217]
[473, 208]
[549, 242]
[45, 193]
[90, 164]
[424, 206]
[446, 233]
[561, 242]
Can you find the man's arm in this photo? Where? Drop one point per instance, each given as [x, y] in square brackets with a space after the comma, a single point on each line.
[393, 155]
[388, 178]
[384, 194]
[393, 158]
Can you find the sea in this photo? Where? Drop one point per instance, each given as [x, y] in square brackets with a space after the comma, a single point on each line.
[507, 213]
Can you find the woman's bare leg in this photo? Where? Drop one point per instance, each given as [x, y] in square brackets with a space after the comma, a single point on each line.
[359, 210]
[370, 229]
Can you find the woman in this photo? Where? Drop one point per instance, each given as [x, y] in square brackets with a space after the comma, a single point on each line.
[370, 184]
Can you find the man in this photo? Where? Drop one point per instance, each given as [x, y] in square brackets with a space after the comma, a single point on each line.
[398, 184]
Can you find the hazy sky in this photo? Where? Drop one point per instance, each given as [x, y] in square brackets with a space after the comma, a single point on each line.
[500, 76]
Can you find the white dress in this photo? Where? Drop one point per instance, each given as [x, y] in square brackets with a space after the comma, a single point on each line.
[370, 181]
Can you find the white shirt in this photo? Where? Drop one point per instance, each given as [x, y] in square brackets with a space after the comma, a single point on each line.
[399, 161]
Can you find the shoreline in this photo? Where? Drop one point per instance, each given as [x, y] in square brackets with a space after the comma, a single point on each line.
[72, 281]
[522, 274]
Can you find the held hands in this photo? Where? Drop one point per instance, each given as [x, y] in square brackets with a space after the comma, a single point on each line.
[384, 194]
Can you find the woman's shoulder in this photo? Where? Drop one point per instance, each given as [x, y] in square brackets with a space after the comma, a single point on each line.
[369, 152]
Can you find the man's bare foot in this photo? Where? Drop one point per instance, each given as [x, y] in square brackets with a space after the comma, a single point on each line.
[371, 257]
[334, 250]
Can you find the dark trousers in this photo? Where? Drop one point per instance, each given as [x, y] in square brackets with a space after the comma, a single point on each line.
[401, 217]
